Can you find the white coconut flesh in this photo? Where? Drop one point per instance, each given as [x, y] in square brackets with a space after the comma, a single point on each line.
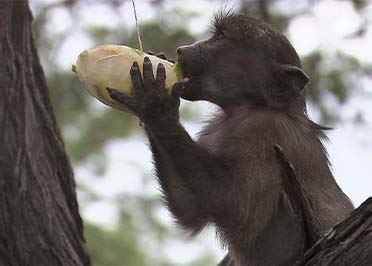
[109, 66]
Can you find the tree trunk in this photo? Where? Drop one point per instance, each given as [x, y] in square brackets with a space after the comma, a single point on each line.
[39, 220]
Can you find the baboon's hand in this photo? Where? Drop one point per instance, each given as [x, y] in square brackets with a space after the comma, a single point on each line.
[151, 102]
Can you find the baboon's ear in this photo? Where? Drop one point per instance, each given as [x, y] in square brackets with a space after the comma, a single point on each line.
[289, 83]
[296, 76]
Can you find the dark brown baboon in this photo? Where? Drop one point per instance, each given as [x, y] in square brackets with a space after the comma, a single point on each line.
[229, 177]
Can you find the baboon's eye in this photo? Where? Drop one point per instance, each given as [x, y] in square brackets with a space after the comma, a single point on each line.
[219, 36]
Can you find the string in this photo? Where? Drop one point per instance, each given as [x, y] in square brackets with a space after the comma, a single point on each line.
[137, 27]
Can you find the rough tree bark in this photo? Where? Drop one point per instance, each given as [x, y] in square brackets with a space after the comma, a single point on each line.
[39, 220]
[348, 243]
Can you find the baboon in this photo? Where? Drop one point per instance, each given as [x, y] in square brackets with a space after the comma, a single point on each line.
[229, 177]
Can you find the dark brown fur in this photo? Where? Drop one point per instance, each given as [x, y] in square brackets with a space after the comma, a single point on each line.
[256, 220]
[258, 223]
[230, 177]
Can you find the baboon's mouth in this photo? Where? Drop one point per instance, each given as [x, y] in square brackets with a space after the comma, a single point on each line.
[190, 69]
[186, 73]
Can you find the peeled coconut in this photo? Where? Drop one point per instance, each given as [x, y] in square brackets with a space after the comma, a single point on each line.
[109, 66]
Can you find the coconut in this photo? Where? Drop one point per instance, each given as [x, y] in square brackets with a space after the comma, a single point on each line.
[109, 66]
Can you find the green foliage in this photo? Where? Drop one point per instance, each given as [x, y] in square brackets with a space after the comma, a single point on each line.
[114, 247]
[98, 130]
[337, 78]
[68, 97]
[360, 4]
[157, 38]
[99, 33]
[87, 124]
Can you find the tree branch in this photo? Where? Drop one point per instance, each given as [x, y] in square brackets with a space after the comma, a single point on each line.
[348, 243]
[298, 199]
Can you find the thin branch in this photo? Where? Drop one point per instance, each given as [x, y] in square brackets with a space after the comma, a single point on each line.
[298, 199]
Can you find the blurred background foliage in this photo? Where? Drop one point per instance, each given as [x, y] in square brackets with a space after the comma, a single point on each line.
[139, 235]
